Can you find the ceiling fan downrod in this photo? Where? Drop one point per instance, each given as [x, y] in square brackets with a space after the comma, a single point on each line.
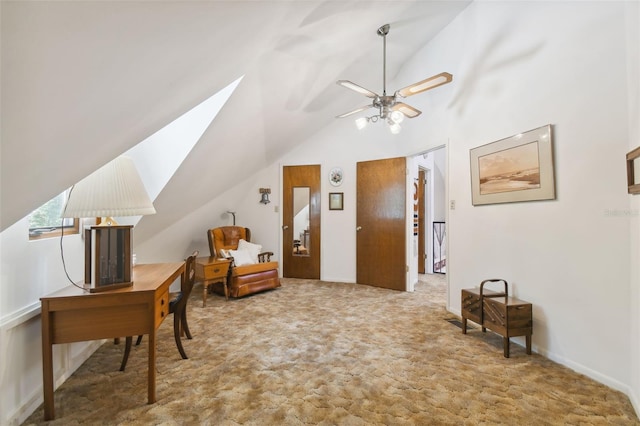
[382, 32]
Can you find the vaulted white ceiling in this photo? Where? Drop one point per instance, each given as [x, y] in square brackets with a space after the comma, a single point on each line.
[83, 82]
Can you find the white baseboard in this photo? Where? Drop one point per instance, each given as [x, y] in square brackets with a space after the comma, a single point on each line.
[36, 398]
[338, 280]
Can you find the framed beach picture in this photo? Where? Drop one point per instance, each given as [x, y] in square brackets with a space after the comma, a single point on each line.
[519, 168]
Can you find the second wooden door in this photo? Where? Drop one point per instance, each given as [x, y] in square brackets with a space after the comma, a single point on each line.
[381, 223]
[301, 221]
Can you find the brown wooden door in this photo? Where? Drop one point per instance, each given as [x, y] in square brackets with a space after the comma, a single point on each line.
[381, 223]
[301, 222]
[422, 222]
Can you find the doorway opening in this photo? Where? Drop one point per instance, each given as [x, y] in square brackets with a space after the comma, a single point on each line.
[430, 244]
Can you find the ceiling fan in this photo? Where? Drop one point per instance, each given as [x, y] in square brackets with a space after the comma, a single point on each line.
[390, 108]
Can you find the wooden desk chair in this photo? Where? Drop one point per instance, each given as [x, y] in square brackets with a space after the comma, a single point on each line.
[177, 307]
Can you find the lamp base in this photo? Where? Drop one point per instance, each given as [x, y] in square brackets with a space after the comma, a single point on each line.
[93, 289]
[108, 263]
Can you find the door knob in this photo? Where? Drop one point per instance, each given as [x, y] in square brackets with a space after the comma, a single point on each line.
[358, 228]
[285, 227]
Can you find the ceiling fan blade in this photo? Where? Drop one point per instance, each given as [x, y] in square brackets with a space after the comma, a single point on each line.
[429, 83]
[346, 114]
[407, 110]
[355, 87]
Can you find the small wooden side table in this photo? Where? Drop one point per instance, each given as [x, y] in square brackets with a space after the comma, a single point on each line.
[211, 270]
[506, 316]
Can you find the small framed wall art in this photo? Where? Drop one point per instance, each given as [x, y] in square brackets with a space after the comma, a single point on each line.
[633, 171]
[518, 168]
[336, 201]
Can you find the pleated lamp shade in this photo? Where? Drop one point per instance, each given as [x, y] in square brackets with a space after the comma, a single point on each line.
[115, 189]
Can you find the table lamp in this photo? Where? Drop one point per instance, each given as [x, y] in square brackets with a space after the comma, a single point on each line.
[113, 190]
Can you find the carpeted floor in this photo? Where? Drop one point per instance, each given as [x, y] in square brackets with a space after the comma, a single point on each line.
[326, 353]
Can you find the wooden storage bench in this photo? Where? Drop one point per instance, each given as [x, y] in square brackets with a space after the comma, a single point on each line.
[504, 315]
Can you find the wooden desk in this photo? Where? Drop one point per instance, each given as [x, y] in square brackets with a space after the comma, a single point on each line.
[74, 315]
[210, 270]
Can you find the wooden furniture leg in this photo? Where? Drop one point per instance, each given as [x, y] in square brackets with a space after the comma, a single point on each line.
[184, 325]
[127, 350]
[205, 289]
[177, 331]
[47, 368]
[151, 388]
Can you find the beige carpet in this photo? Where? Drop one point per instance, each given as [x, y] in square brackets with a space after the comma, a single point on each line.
[329, 353]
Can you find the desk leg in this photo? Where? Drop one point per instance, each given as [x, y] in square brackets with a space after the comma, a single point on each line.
[47, 366]
[151, 393]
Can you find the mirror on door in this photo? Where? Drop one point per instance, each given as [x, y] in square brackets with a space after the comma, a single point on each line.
[301, 237]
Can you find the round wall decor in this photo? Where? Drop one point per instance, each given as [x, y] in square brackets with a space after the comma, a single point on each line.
[335, 176]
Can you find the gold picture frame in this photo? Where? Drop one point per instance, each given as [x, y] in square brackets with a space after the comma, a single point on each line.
[515, 169]
[633, 171]
[336, 201]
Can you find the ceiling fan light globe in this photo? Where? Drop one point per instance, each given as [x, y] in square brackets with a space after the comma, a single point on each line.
[395, 128]
[361, 123]
[397, 116]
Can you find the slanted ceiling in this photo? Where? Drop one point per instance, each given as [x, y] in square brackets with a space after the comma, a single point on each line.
[82, 82]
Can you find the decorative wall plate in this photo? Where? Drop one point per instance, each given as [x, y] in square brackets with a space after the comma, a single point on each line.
[335, 176]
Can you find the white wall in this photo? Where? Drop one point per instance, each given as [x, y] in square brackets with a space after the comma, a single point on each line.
[29, 270]
[516, 66]
[632, 13]
[439, 187]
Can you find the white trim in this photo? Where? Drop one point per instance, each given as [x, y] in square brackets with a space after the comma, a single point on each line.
[20, 316]
[36, 398]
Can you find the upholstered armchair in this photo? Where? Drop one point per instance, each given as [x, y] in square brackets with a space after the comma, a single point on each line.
[252, 270]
